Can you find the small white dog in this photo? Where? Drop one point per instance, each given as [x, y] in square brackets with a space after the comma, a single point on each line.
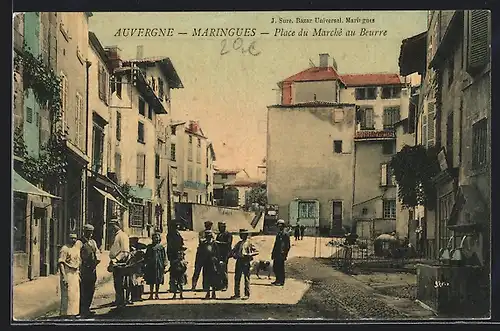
[257, 266]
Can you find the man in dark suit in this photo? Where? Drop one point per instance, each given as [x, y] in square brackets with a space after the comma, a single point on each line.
[90, 256]
[198, 263]
[280, 253]
[224, 242]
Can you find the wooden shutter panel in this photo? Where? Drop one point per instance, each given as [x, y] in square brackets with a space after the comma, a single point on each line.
[478, 50]
[369, 118]
[430, 124]
[383, 174]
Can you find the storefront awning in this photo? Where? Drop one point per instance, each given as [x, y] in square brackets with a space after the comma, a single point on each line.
[21, 185]
[108, 196]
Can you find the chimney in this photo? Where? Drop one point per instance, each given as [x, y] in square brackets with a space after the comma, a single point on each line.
[113, 53]
[140, 51]
[323, 60]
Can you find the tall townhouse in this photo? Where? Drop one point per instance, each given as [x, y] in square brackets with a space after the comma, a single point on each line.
[103, 193]
[140, 91]
[349, 183]
[162, 194]
[35, 226]
[191, 163]
[73, 68]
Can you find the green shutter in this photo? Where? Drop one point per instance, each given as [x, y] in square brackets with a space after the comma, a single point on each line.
[478, 51]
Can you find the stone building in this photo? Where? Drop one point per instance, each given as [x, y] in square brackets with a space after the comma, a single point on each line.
[378, 98]
[140, 96]
[35, 227]
[192, 159]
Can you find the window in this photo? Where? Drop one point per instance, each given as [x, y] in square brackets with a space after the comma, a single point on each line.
[198, 175]
[80, 120]
[157, 166]
[307, 209]
[173, 176]
[224, 176]
[190, 173]
[449, 139]
[140, 132]
[366, 93]
[160, 88]
[118, 126]
[142, 107]
[198, 155]
[19, 223]
[367, 118]
[391, 92]
[29, 115]
[388, 147]
[391, 116]
[424, 130]
[97, 148]
[199, 143]
[389, 206]
[173, 130]
[136, 219]
[118, 166]
[411, 119]
[337, 215]
[479, 143]
[172, 152]
[478, 48]
[190, 149]
[431, 113]
[141, 169]
[102, 81]
[337, 146]
[387, 177]
[150, 112]
[64, 100]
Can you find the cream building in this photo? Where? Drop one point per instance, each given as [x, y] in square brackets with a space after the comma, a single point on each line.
[377, 99]
[191, 167]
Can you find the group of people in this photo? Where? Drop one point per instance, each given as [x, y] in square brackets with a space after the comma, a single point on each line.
[79, 258]
[298, 231]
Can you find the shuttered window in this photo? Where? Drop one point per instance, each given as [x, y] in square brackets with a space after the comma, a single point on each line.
[391, 116]
[431, 113]
[140, 132]
[102, 83]
[157, 166]
[479, 143]
[367, 119]
[118, 166]
[142, 107]
[424, 130]
[118, 126]
[141, 169]
[478, 52]
[449, 138]
[172, 152]
[79, 121]
[64, 100]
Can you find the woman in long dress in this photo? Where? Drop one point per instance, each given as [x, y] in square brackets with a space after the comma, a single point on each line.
[69, 271]
[155, 265]
[209, 255]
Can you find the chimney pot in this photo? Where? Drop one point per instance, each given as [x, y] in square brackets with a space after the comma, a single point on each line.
[323, 60]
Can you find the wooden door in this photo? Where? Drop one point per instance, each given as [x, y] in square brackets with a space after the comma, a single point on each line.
[44, 260]
[336, 216]
[34, 270]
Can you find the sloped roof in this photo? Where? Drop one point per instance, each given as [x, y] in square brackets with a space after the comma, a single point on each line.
[314, 74]
[371, 79]
[245, 182]
[166, 67]
[227, 171]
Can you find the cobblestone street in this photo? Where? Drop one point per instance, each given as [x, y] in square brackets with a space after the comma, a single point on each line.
[313, 290]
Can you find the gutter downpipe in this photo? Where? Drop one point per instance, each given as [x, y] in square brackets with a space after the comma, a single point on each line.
[354, 168]
[86, 198]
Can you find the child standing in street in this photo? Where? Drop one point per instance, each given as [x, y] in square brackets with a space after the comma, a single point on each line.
[178, 276]
[155, 266]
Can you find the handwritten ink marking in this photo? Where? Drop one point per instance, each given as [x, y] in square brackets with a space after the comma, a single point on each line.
[238, 44]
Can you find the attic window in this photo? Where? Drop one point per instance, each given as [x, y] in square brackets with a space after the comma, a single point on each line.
[366, 93]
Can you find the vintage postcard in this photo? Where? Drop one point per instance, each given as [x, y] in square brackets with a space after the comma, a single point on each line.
[197, 166]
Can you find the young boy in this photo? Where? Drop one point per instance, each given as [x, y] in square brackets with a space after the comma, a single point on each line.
[178, 277]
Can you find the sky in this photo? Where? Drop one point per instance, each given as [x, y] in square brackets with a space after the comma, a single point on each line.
[228, 94]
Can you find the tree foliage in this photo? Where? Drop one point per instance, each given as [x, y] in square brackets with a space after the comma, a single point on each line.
[414, 167]
[50, 167]
[257, 195]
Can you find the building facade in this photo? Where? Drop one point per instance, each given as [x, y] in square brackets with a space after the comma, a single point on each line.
[227, 196]
[377, 98]
[192, 163]
[321, 187]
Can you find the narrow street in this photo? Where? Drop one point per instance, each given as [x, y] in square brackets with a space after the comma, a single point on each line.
[314, 290]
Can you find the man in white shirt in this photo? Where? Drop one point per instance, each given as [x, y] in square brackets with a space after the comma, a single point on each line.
[120, 248]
